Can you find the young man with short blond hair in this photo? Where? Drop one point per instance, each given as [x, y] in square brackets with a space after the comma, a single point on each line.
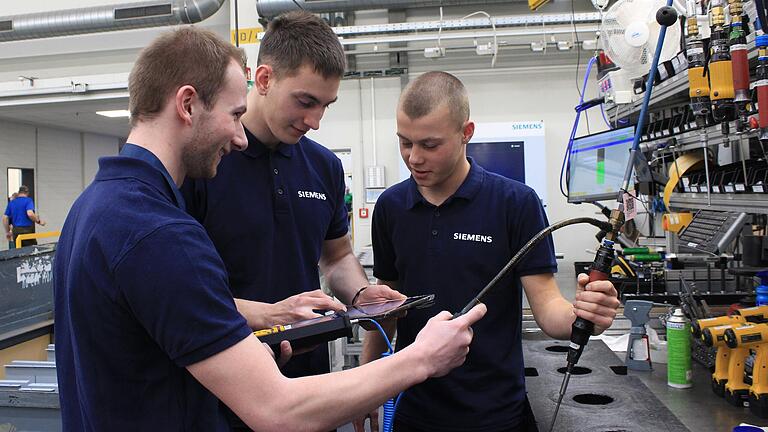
[448, 230]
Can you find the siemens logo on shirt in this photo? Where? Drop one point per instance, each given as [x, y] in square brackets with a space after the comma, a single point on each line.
[315, 195]
[473, 237]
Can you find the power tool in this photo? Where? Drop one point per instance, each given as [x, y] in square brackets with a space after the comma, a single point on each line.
[728, 377]
[754, 336]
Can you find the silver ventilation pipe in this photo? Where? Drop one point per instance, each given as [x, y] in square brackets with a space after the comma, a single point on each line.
[271, 8]
[106, 18]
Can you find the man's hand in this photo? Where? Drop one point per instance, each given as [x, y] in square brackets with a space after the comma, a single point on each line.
[596, 302]
[373, 418]
[285, 353]
[303, 306]
[40, 222]
[375, 293]
[9, 236]
[445, 341]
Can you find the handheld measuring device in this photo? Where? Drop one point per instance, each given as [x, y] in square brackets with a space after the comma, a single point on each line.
[334, 325]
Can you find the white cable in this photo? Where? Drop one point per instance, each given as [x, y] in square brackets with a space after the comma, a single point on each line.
[493, 25]
[440, 28]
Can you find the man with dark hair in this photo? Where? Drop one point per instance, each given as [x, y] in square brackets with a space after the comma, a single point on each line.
[448, 230]
[20, 217]
[147, 333]
[286, 191]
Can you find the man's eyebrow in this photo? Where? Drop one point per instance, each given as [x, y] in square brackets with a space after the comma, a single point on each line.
[313, 98]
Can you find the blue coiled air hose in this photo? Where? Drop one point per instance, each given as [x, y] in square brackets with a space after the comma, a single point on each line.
[390, 406]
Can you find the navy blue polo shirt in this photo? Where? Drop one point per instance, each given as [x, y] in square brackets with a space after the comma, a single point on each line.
[268, 213]
[140, 295]
[454, 250]
[17, 211]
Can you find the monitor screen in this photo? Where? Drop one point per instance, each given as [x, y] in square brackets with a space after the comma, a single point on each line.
[597, 165]
[505, 158]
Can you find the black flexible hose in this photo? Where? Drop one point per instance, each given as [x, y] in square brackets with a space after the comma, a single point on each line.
[605, 226]
[761, 14]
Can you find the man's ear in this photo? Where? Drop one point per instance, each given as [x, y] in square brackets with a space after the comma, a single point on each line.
[468, 131]
[264, 77]
[184, 101]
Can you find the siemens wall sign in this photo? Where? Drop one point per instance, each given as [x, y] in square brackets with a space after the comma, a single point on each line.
[515, 150]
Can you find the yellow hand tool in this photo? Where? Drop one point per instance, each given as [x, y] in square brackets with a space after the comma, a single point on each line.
[728, 377]
[754, 336]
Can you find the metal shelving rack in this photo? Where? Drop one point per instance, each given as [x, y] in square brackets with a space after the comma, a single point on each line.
[748, 202]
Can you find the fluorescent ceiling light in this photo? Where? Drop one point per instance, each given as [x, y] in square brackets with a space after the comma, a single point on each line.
[114, 113]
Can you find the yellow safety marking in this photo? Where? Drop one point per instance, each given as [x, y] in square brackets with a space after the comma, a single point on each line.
[22, 237]
[269, 331]
[247, 35]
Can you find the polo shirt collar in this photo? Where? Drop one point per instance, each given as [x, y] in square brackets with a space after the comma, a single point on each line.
[467, 190]
[256, 148]
[136, 152]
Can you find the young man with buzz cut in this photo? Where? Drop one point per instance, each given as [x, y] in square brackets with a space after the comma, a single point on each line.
[448, 230]
[148, 337]
[276, 211]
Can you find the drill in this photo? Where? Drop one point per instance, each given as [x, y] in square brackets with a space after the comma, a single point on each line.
[698, 326]
[728, 377]
[754, 336]
[755, 314]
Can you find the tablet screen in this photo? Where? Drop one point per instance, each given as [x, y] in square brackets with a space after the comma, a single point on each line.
[384, 308]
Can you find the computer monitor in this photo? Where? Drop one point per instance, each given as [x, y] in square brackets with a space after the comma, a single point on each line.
[505, 158]
[597, 165]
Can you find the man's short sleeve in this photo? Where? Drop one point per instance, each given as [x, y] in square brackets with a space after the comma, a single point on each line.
[176, 286]
[383, 249]
[531, 219]
[30, 206]
[8, 210]
[340, 223]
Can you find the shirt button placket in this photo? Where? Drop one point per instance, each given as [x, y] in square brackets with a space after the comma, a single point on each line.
[435, 232]
[279, 190]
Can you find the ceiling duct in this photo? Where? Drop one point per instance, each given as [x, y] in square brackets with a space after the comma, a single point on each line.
[106, 18]
[271, 8]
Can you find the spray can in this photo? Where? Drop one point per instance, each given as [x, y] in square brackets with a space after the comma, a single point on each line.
[678, 350]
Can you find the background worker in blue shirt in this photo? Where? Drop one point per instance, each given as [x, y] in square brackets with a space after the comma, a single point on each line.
[276, 211]
[147, 333]
[448, 230]
[20, 217]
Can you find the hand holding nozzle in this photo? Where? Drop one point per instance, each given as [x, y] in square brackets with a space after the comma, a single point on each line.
[446, 340]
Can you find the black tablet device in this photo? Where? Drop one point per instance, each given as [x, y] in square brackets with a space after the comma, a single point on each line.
[332, 326]
[387, 308]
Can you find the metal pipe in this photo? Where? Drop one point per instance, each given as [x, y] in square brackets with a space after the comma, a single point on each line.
[272, 8]
[106, 18]
[463, 35]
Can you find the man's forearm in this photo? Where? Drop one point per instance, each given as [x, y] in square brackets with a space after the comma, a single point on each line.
[345, 277]
[350, 399]
[258, 315]
[556, 319]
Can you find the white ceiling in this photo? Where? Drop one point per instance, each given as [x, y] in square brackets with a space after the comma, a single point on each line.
[77, 116]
